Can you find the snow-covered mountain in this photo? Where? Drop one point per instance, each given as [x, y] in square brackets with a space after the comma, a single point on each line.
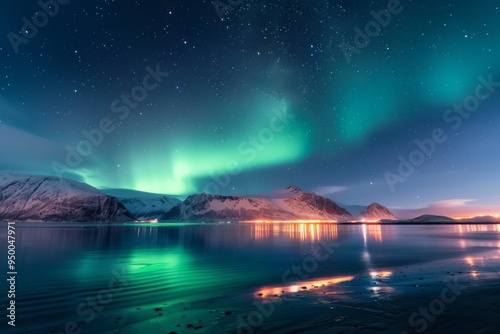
[48, 198]
[45, 198]
[376, 211]
[143, 205]
[206, 207]
[286, 204]
[308, 205]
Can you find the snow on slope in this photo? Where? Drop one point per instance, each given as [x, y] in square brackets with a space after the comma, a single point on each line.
[307, 205]
[144, 205]
[47, 198]
[206, 207]
[377, 212]
[286, 204]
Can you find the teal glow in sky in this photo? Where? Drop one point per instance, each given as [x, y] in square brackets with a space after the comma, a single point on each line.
[220, 115]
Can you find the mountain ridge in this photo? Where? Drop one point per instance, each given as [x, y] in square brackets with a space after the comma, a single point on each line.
[376, 211]
[290, 203]
[49, 198]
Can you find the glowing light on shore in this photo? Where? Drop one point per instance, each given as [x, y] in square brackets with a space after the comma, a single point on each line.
[370, 221]
[298, 221]
[477, 216]
[152, 221]
[383, 274]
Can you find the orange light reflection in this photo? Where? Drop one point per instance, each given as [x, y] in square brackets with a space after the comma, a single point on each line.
[300, 221]
[380, 274]
[375, 232]
[274, 291]
[297, 231]
[469, 228]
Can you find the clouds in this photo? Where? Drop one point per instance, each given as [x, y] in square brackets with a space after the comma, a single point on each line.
[23, 151]
[451, 203]
[9, 114]
[453, 208]
[328, 190]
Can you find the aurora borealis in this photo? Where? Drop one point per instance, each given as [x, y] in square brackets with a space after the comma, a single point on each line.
[258, 101]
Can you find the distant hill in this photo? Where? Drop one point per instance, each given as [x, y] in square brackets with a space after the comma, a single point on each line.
[424, 219]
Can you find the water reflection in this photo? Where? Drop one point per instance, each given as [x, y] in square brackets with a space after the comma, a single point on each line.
[372, 232]
[274, 291]
[302, 231]
[179, 262]
[380, 274]
[469, 235]
[461, 229]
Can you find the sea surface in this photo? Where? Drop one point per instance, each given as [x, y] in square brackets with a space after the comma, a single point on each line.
[182, 278]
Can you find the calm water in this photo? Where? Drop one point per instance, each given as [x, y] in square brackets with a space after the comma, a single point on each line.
[60, 266]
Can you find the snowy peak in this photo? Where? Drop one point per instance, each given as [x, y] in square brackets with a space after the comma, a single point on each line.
[376, 211]
[293, 190]
[287, 192]
[207, 207]
[11, 183]
[49, 198]
[290, 203]
[308, 205]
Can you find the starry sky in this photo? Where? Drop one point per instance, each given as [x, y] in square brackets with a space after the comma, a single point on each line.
[181, 97]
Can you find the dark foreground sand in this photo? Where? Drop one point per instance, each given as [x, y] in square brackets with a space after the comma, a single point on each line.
[464, 295]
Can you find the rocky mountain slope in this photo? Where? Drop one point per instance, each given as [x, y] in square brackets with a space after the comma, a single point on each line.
[46, 198]
[377, 212]
[286, 204]
[206, 207]
[308, 205]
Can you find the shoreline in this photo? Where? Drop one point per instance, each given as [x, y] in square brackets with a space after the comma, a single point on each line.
[381, 301]
[163, 223]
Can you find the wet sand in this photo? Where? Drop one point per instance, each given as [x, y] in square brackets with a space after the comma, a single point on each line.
[377, 302]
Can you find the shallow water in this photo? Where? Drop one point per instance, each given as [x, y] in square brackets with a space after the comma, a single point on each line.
[66, 271]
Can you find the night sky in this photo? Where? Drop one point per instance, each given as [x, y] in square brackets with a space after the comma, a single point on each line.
[165, 97]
